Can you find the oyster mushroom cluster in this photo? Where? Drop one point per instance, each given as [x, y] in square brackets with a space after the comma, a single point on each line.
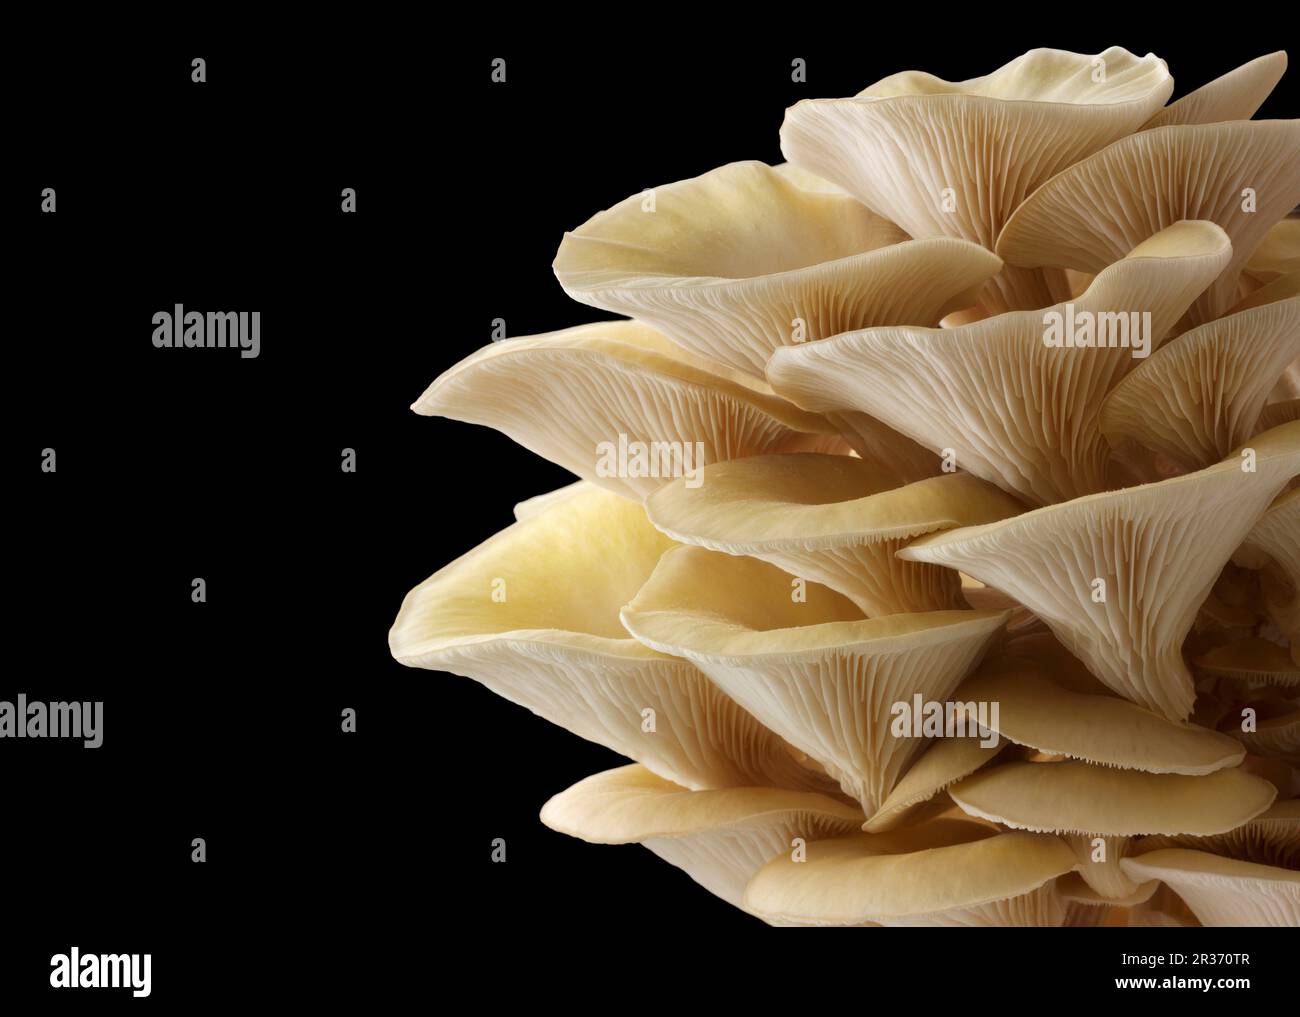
[936, 550]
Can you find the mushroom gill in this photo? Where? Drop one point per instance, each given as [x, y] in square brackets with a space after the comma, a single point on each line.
[834, 519]
[804, 661]
[618, 404]
[719, 838]
[1012, 404]
[1109, 573]
[532, 613]
[956, 159]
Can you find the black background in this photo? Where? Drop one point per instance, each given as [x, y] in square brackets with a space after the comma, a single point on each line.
[344, 865]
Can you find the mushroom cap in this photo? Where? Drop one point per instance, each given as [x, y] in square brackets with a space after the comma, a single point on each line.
[1200, 396]
[1089, 214]
[809, 502]
[1276, 729]
[552, 642]
[1079, 798]
[1278, 253]
[944, 763]
[630, 804]
[1271, 838]
[1251, 660]
[834, 519]
[1018, 413]
[1232, 96]
[719, 838]
[727, 261]
[899, 142]
[1101, 729]
[944, 866]
[815, 671]
[563, 394]
[1137, 540]
[955, 158]
[1223, 891]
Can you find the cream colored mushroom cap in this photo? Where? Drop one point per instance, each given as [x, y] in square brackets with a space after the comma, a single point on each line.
[911, 872]
[1079, 798]
[1222, 891]
[569, 395]
[1232, 96]
[1104, 730]
[806, 501]
[725, 262]
[532, 613]
[1091, 213]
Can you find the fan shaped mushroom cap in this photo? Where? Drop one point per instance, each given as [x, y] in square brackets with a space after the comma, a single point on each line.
[564, 394]
[988, 142]
[1271, 838]
[1252, 661]
[943, 873]
[552, 642]
[1140, 542]
[817, 672]
[1232, 96]
[833, 519]
[1018, 412]
[944, 763]
[1074, 797]
[720, 838]
[1222, 891]
[1088, 215]
[726, 262]
[1084, 803]
[1200, 396]
[1105, 730]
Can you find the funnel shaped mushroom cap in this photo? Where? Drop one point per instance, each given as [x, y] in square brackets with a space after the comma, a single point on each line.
[726, 262]
[834, 519]
[1105, 730]
[1084, 799]
[1222, 891]
[1089, 215]
[1232, 96]
[1200, 396]
[720, 838]
[900, 142]
[583, 396]
[1018, 412]
[1139, 542]
[532, 613]
[915, 876]
[821, 677]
